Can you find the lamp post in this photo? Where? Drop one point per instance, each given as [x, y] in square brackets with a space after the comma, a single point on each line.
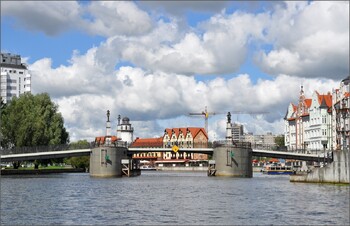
[343, 111]
[324, 143]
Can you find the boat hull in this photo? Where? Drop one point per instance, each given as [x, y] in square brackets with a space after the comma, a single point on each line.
[279, 172]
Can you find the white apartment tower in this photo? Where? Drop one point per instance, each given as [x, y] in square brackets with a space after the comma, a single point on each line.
[15, 77]
[341, 115]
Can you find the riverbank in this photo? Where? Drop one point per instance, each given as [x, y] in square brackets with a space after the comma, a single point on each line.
[39, 171]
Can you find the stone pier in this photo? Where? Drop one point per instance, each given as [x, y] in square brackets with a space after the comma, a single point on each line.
[106, 161]
[233, 159]
[334, 172]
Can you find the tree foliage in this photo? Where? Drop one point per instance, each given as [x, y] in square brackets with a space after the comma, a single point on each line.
[279, 140]
[81, 162]
[32, 120]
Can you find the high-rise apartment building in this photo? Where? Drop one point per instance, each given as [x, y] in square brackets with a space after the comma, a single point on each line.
[237, 132]
[15, 77]
[267, 139]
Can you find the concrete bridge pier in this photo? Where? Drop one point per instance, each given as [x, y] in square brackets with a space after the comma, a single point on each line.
[106, 161]
[233, 160]
[335, 172]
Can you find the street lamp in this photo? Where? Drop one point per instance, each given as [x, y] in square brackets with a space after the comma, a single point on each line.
[343, 112]
[324, 143]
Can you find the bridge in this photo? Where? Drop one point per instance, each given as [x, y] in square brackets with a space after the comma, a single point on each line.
[45, 155]
[86, 151]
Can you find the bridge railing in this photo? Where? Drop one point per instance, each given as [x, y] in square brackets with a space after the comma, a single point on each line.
[285, 149]
[269, 147]
[36, 149]
[223, 143]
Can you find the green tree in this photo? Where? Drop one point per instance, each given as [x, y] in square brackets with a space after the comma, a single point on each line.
[32, 120]
[279, 140]
[81, 162]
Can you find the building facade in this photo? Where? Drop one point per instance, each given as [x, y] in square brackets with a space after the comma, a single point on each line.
[190, 137]
[341, 115]
[15, 77]
[267, 139]
[237, 132]
[148, 143]
[308, 125]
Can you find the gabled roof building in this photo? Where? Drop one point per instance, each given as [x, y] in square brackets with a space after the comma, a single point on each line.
[308, 125]
[189, 137]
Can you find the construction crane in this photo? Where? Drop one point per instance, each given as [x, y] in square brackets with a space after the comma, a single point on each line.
[206, 116]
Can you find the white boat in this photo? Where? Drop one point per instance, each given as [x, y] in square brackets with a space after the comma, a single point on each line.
[278, 170]
[147, 167]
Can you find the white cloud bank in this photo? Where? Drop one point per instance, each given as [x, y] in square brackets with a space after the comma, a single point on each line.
[309, 46]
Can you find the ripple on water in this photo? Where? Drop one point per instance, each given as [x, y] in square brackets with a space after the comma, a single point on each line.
[170, 198]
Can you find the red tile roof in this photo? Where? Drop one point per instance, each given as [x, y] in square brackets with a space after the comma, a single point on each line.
[148, 142]
[327, 97]
[324, 98]
[308, 102]
[193, 130]
[101, 140]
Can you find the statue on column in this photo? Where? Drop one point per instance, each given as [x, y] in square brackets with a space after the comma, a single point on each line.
[228, 117]
[108, 113]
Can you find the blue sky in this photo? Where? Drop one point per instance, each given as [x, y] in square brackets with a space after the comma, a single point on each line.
[157, 61]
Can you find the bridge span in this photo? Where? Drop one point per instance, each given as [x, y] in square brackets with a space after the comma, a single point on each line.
[45, 155]
[209, 151]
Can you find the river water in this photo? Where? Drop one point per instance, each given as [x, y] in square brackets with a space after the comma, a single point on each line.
[173, 198]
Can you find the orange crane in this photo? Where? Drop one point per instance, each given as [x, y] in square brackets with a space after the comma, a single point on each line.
[206, 116]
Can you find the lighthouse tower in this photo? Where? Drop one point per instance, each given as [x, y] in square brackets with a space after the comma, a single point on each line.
[124, 130]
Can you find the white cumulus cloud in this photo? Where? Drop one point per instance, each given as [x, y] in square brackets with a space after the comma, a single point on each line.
[309, 40]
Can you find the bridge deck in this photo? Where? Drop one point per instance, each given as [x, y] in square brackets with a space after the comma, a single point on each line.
[45, 155]
[288, 155]
[210, 151]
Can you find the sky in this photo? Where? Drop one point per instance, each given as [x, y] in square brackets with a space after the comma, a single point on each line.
[157, 61]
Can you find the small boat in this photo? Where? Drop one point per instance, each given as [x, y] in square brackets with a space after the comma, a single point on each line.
[278, 170]
[147, 167]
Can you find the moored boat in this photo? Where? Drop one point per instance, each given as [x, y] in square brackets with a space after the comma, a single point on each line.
[147, 167]
[278, 170]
